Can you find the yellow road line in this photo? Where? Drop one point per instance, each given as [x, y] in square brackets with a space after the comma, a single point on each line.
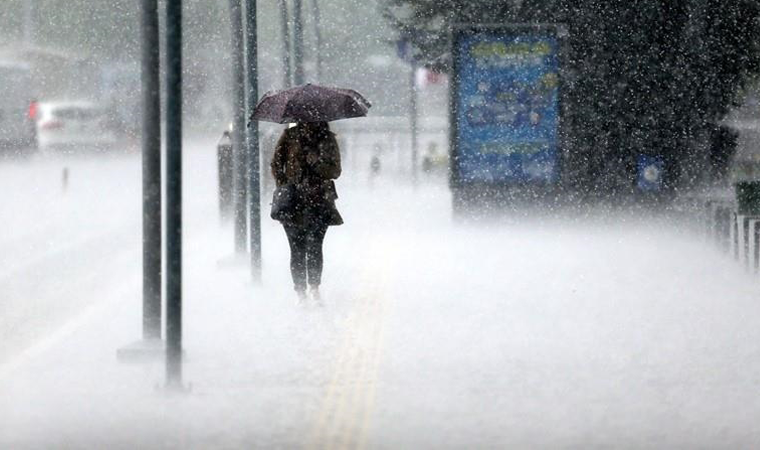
[344, 418]
[333, 389]
[363, 381]
[369, 400]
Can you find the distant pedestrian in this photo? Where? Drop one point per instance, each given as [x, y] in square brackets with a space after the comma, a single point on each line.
[374, 164]
[307, 158]
[430, 156]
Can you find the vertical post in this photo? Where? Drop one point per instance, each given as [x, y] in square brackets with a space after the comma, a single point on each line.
[285, 37]
[413, 118]
[298, 42]
[151, 171]
[318, 35]
[254, 189]
[238, 130]
[174, 193]
[224, 168]
[30, 10]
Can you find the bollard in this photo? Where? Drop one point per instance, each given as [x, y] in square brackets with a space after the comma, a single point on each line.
[224, 166]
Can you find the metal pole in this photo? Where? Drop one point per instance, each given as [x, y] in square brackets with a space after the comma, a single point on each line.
[318, 34]
[224, 168]
[298, 42]
[413, 118]
[238, 131]
[151, 171]
[254, 175]
[174, 193]
[30, 7]
[286, 72]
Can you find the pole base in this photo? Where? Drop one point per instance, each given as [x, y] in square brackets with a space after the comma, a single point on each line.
[173, 388]
[234, 261]
[143, 351]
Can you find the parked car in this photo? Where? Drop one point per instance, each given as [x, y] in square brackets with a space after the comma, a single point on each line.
[18, 134]
[73, 125]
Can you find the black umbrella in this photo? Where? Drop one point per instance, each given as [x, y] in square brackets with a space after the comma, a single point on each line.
[310, 103]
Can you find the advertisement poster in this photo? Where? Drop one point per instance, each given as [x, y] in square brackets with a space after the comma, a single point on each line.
[507, 107]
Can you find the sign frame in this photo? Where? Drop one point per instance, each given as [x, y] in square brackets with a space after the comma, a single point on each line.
[457, 180]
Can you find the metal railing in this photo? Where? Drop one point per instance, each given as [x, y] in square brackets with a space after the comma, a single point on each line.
[734, 233]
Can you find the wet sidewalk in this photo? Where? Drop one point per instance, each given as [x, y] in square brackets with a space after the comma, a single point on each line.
[517, 334]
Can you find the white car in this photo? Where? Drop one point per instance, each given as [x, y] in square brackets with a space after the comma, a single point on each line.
[73, 125]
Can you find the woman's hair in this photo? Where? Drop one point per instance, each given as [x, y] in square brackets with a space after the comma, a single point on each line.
[317, 127]
[314, 132]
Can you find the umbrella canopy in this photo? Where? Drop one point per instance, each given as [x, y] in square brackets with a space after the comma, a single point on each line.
[310, 103]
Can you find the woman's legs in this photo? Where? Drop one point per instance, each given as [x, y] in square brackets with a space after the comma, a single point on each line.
[298, 246]
[314, 259]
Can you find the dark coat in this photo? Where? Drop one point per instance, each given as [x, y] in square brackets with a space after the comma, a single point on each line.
[311, 168]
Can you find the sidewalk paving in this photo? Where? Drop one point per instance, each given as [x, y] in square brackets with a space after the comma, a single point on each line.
[536, 334]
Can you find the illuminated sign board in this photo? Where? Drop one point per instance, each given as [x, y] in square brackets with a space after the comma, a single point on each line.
[505, 106]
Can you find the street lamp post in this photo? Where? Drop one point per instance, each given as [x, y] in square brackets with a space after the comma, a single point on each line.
[318, 35]
[285, 37]
[298, 42]
[238, 131]
[174, 193]
[254, 171]
[30, 9]
[151, 346]
[151, 166]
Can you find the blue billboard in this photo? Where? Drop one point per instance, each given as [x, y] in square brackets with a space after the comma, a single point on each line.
[506, 106]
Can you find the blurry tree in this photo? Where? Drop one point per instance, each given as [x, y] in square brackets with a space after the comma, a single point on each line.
[641, 76]
[356, 54]
[108, 31]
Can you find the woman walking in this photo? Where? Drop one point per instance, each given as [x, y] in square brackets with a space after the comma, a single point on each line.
[307, 159]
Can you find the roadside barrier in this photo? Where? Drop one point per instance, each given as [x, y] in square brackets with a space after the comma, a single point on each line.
[733, 225]
[719, 214]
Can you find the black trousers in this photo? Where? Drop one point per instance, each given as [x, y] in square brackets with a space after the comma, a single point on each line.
[306, 254]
